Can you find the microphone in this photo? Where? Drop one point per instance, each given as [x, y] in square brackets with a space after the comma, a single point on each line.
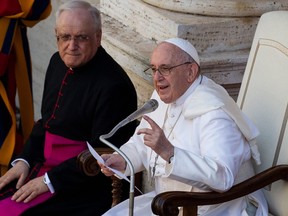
[148, 107]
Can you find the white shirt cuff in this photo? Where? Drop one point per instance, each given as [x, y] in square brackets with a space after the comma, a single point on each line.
[48, 183]
[19, 159]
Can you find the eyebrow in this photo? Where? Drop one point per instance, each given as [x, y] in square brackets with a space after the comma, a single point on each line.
[162, 65]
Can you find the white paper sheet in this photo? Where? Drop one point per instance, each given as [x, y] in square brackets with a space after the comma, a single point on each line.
[100, 159]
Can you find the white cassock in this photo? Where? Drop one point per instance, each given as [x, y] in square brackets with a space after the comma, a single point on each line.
[213, 141]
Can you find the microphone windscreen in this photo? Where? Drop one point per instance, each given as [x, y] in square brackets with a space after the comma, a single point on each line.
[154, 104]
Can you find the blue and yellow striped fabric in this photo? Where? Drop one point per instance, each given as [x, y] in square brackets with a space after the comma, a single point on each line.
[15, 70]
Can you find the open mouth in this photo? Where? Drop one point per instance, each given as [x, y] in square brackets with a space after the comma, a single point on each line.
[162, 87]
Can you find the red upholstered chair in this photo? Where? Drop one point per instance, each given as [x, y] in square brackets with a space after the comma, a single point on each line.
[264, 98]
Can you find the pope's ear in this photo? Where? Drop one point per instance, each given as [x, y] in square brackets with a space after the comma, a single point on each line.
[193, 72]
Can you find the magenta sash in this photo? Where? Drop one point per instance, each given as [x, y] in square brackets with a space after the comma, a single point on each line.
[57, 150]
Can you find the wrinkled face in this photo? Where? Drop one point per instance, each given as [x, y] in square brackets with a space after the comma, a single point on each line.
[172, 86]
[77, 39]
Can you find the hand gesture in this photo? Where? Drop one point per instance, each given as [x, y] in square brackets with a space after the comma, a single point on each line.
[156, 139]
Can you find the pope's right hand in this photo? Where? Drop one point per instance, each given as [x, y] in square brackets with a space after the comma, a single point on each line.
[114, 161]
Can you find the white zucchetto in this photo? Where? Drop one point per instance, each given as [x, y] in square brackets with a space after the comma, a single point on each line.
[186, 46]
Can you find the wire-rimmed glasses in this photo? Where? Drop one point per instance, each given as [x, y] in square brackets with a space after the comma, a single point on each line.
[163, 70]
[76, 38]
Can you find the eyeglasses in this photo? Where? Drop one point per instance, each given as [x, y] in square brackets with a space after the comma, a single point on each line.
[76, 38]
[163, 70]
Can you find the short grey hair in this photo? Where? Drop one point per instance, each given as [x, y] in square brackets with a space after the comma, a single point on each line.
[76, 4]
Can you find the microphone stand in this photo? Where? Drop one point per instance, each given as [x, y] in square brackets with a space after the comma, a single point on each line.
[132, 177]
[149, 106]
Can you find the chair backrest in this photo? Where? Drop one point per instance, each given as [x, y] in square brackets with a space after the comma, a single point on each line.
[264, 98]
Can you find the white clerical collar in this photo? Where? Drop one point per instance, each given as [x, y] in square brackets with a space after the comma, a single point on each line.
[189, 91]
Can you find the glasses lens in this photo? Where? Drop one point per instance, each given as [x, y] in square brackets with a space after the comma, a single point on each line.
[64, 37]
[164, 71]
[77, 38]
[81, 38]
